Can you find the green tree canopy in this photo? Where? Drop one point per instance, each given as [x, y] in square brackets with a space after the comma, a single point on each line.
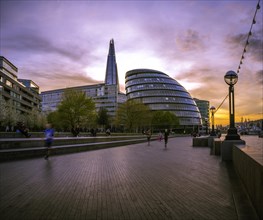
[164, 119]
[133, 116]
[34, 120]
[75, 110]
[103, 117]
[8, 115]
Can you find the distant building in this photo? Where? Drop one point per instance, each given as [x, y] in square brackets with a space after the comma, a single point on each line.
[161, 92]
[105, 95]
[203, 106]
[22, 95]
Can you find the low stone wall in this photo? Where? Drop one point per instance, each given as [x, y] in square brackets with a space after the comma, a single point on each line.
[4, 135]
[216, 146]
[13, 149]
[227, 148]
[200, 142]
[19, 143]
[250, 172]
[209, 141]
[15, 154]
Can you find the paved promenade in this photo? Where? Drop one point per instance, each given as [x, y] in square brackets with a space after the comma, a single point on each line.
[131, 182]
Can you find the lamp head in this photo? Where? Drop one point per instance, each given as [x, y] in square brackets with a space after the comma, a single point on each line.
[212, 109]
[231, 78]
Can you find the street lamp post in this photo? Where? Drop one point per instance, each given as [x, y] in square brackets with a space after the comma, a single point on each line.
[206, 125]
[212, 109]
[231, 79]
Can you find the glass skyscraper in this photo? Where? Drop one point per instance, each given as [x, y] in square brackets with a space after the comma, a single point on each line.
[105, 95]
[161, 92]
[111, 77]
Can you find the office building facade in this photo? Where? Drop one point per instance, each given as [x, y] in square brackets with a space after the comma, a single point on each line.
[203, 106]
[160, 92]
[105, 95]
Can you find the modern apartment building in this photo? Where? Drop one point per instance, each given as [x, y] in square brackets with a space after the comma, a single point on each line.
[105, 95]
[22, 95]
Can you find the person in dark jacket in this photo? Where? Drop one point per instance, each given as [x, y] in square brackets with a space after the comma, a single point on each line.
[166, 134]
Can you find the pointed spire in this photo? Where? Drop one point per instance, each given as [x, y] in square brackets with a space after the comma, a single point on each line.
[111, 77]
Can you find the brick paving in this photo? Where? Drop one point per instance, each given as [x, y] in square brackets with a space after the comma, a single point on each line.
[131, 182]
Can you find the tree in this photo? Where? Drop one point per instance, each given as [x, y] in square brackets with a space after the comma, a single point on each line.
[133, 115]
[53, 117]
[8, 115]
[75, 111]
[35, 121]
[164, 119]
[103, 117]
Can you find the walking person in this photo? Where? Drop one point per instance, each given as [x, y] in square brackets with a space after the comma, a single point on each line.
[160, 136]
[49, 134]
[166, 134]
[148, 135]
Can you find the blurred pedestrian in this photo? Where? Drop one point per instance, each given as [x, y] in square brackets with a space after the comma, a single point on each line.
[166, 134]
[49, 134]
[148, 135]
[160, 136]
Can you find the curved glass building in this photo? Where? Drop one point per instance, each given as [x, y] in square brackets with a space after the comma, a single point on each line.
[161, 92]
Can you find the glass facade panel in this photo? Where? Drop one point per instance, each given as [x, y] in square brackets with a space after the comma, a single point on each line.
[172, 93]
[153, 86]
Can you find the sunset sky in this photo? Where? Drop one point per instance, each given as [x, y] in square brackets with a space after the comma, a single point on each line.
[60, 44]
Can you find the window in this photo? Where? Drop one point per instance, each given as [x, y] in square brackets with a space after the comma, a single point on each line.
[7, 82]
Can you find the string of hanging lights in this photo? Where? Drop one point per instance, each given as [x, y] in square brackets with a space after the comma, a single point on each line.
[245, 49]
[248, 36]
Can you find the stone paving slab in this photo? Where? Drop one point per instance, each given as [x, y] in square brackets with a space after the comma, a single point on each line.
[131, 182]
